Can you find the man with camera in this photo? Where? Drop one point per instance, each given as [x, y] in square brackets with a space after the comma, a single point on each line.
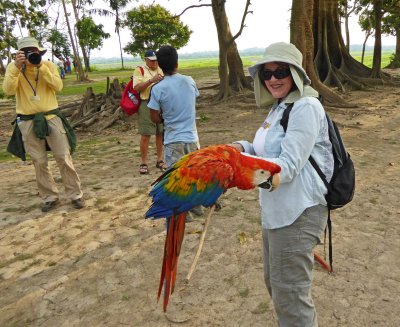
[39, 122]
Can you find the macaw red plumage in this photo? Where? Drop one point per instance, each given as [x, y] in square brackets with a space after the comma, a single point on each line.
[198, 178]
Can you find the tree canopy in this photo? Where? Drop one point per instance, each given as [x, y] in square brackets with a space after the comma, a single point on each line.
[16, 15]
[60, 46]
[153, 26]
[91, 36]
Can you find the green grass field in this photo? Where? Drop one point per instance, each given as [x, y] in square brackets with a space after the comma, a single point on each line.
[197, 68]
[386, 56]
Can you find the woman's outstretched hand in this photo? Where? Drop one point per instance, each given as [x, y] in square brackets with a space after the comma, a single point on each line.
[237, 146]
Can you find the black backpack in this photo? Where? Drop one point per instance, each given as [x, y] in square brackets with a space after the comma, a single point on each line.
[342, 184]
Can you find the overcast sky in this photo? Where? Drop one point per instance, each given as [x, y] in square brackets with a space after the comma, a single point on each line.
[269, 23]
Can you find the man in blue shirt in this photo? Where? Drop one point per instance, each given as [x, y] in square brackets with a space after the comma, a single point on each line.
[173, 102]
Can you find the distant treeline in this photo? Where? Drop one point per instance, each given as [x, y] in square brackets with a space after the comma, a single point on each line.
[214, 54]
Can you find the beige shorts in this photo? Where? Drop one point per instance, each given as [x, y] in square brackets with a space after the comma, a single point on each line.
[146, 126]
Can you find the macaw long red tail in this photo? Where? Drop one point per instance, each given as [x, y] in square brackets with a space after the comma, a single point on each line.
[322, 262]
[172, 248]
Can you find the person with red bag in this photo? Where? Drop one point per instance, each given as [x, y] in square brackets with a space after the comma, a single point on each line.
[142, 83]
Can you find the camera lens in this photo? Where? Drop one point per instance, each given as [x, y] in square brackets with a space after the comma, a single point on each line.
[33, 57]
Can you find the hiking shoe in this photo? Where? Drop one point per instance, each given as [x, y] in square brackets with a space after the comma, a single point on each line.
[198, 211]
[49, 205]
[78, 203]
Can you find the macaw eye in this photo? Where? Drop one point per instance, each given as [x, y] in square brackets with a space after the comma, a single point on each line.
[262, 171]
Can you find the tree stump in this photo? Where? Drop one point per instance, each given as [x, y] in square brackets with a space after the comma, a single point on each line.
[96, 109]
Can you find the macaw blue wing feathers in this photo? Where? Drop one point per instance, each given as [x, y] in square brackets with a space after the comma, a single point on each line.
[197, 179]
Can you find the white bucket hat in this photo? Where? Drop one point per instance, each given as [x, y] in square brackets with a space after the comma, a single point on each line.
[281, 52]
[29, 42]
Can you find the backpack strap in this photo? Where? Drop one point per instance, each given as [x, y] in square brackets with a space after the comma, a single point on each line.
[288, 109]
[141, 70]
[284, 124]
[285, 116]
[329, 226]
[319, 171]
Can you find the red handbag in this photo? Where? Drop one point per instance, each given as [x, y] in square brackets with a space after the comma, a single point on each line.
[130, 100]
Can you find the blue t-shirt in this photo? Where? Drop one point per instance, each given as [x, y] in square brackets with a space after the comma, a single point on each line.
[175, 96]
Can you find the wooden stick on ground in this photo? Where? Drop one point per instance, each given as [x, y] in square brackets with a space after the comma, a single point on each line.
[202, 237]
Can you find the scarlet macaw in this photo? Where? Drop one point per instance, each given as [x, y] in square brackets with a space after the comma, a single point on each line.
[199, 178]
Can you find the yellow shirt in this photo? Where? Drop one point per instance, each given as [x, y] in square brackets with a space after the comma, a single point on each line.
[147, 74]
[48, 83]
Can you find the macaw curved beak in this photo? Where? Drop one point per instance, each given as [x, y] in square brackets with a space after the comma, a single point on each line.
[271, 183]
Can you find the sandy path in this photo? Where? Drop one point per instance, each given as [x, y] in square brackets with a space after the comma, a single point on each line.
[100, 266]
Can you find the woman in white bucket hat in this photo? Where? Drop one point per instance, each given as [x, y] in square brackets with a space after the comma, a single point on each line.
[295, 215]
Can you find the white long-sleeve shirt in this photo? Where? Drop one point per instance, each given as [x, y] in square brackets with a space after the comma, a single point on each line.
[301, 187]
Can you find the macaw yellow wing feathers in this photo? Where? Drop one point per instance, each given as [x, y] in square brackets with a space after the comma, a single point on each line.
[197, 179]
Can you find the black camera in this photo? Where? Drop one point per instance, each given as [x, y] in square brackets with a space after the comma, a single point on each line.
[33, 57]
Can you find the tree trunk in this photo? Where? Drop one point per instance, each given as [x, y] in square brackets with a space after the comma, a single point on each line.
[301, 35]
[81, 74]
[346, 26]
[377, 58]
[367, 35]
[120, 49]
[231, 72]
[237, 78]
[223, 30]
[117, 24]
[86, 60]
[84, 53]
[2, 68]
[363, 50]
[395, 61]
[315, 30]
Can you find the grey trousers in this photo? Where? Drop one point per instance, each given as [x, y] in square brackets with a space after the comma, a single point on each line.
[288, 264]
[174, 151]
[58, 143]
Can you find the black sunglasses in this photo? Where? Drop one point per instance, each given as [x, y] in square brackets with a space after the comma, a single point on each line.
[280, 73]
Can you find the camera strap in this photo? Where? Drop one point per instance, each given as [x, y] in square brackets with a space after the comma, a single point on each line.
[36, 81]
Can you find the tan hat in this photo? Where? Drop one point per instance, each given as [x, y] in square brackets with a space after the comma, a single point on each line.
[29, 42]
[287, 53]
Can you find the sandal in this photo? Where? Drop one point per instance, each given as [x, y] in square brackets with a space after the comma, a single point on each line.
[161, 165]
[143, 169]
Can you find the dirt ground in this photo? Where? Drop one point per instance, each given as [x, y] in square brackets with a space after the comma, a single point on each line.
[100, 266]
